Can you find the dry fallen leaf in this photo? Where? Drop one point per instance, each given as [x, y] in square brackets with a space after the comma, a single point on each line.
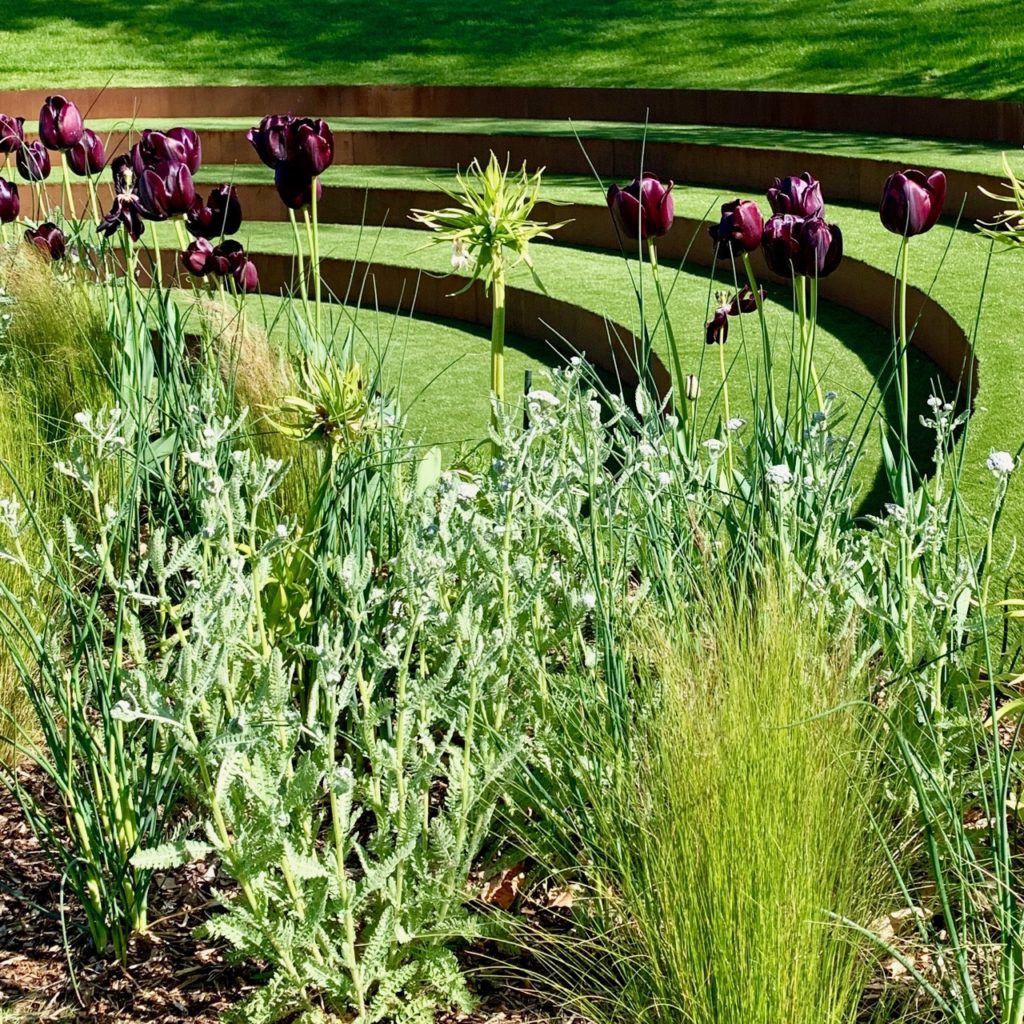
[501, 891]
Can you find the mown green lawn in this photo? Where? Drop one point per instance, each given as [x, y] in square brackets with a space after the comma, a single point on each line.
[933, 47]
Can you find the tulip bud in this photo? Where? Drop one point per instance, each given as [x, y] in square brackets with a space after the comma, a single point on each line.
[12, 133]
[166, 189]
[48, 238]
[87, 156]
[60, 123]
[295, 186]
[799, 196]
[270, 138]
[247, 278]
[912, 203]
[10, 203]
[226, 257]
[222, 214]
[643, 209]
[692, 388]
[739, 230]
[33, 161]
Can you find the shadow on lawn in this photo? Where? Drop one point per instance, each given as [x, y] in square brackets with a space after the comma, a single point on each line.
[745, 43]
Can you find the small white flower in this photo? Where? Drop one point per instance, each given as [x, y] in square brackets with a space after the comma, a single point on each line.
[467, 489]
[664, 478]
[281, 530]
[779, 476]
[934, 402]
[736, 423]
[714, 446]
[897, 512]
[589, 600]
[1000, 464]
[542, 397]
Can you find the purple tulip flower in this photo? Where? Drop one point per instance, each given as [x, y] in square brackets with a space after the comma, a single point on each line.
[744, 301]
[739, 230]
[60, 123]
[47, 238]
[247, 278]
[643, 209]
[166, 189]
[796, 195]
[912, 203]
[716, 330]
[795, 246]
[197, 259]
[189, 141]
[33, 161]
[270, 138]
[222, 214]
[12, 133]
[10, 203]
[126, 210]
[295, 186]
[87, 156]
[310, 145]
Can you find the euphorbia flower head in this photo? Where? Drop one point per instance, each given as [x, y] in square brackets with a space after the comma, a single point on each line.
[222, 214]
[310, 144]
[166, 189]
[10, 203]
[33, 161]
[739, 229]
[295, 186]
[47, 238]
[798, 246]
[12, 133]
[87, 156]
[270, 138]
[911, 202]
[643, 209]
[60, 123]
[799, 195]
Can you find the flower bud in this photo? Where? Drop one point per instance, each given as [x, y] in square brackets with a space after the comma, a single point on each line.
[643, 209]
[10, 203]
[912, 203]
[800, 196]
[33, 161]
[739, 229]
[60, 123]
[87, 156]
[48, 238]
[692, 387]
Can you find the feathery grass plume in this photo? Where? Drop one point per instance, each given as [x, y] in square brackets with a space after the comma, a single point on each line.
[716, 846]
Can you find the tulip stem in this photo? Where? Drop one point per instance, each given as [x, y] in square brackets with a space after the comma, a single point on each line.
[497, 351]
[904, 385]
[70, 214]
[314, 256]
[673, 348]
[725, 404]
[766, 348]
[303, 287]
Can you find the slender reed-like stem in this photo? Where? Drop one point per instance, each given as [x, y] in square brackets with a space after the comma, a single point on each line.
[497, 349]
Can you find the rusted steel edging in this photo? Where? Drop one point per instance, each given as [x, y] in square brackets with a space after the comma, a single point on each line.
[999, 121]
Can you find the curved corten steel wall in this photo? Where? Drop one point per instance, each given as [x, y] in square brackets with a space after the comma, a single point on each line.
[855, 285]
[984, 120]
[531, 315]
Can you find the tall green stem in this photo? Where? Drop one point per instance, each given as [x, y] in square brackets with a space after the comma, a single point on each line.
[766, 348]
[300, 260]
[905, 473]
[673, 348]
[728, 412]
[314, 256]
[497, 348]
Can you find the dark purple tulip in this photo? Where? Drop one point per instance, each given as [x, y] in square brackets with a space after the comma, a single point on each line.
[716, 330]
[310, 145]
[270, 138]
[10, 203]
[739, 230]
[247, 279]
[227, 257]
[126, 212]
[793, 245]
[87, 156]
[294, 186]
[166, 189]
[821, 247]
[744, 301]
[48, 238]
[222, 214]
[60, 123]
[33, 161]
[911, 202]
[190, 143]
[197, 259]
[12, 133]
[643, 209]
[800, 196]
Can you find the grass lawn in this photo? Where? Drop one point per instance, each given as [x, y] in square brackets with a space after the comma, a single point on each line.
[934, 47]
